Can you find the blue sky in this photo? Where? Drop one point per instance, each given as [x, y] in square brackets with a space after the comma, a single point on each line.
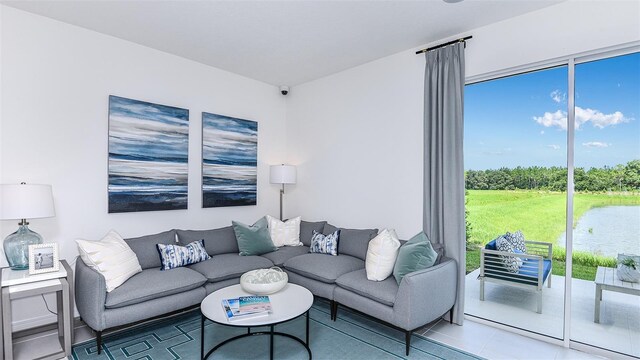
[521, 120]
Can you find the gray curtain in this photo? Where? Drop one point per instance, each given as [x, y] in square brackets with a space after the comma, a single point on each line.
[443, 220]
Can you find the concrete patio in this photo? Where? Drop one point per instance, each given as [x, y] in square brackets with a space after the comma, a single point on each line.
[618, 330]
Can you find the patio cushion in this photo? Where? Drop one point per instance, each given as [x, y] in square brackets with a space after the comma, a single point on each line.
[511, 263]
[285, 253]
[384, 291]
[152, 284]
[528, 273]
[229, 266]
[491, 245]
[322, 267]
[530, 268]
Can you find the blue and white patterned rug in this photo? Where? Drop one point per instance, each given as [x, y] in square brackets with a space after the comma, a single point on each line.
[352, 336]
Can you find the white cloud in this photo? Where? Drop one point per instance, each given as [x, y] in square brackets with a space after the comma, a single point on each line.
[595, 117]
[595, 144]
[558, 96]
[558, 118]
[541, 132]
[554, 147]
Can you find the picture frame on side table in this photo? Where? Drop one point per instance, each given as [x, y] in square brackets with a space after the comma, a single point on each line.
[43, 258]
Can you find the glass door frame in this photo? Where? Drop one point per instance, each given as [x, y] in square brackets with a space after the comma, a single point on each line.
[570, 61]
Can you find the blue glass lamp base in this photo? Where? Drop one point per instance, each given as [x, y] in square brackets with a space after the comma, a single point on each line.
[16, 246]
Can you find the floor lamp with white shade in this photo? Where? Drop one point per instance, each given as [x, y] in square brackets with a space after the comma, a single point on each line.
[282, 174]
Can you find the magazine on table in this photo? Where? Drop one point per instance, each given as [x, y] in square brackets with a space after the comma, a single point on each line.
[245, 307]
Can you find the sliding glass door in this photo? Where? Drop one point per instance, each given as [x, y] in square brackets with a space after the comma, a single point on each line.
[530, 161]
[516, 181]
[606, 202]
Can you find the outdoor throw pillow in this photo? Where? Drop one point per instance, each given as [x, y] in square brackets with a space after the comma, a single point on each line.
[517, 240]
[111, 257]
[511, 263]
[284, 233]
[416, 254]
[381, 255]
[254, 239]
[325, 244]
[173, 256]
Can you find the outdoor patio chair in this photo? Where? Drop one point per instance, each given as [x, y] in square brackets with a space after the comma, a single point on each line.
[535, 270]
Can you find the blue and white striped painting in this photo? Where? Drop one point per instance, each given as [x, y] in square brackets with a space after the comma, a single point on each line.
[229, 161]
[148, 155]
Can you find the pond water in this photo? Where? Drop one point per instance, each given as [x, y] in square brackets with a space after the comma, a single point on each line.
[607, 231]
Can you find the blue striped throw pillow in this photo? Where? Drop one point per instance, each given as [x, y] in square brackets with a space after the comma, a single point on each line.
[173, 256]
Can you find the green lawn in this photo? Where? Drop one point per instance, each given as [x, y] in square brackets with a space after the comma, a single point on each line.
[540, 216]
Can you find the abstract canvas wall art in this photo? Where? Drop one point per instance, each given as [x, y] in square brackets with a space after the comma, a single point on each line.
[148, 156]
[229, 161]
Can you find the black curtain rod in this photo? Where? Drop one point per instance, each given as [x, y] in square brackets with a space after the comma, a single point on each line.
[445, 44]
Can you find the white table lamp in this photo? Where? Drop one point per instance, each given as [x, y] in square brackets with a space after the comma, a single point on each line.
[22, 202]
[282, 174]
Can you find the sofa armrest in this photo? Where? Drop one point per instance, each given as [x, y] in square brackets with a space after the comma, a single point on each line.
[425, 295]
[91, 294]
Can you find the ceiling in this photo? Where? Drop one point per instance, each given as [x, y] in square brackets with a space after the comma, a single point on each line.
[281, 42]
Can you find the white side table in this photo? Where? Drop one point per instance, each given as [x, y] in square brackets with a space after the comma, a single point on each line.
[16, 284]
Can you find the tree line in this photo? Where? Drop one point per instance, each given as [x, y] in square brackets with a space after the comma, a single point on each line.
[617, 178]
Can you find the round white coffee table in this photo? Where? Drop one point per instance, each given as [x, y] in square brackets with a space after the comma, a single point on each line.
[287, 304]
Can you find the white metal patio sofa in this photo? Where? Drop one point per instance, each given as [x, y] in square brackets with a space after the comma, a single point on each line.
[535, 270]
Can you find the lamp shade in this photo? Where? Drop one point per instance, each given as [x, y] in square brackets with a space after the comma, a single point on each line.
[26, 201]
[282, 174]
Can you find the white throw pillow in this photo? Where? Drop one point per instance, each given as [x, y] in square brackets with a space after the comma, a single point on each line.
[111, 257]
[284, 233]
[381, 255]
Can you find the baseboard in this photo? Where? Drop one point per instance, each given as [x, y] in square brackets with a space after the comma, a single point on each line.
[36, 322]
[51, 324]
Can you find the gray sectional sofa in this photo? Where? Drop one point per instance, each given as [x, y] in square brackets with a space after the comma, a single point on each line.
[421, 297]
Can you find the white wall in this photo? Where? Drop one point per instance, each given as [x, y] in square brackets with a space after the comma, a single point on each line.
[55, 87]
[357, 135]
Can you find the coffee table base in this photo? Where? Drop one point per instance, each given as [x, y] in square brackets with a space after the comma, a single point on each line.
[271, 333]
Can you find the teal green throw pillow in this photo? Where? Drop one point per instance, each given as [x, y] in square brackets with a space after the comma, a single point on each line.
[254, 239]
[416, 254]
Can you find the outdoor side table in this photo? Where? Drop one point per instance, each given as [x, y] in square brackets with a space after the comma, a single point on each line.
[607, 279]
[17, 284]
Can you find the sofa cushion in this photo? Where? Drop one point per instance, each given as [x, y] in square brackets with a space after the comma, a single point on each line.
[307, 228]
[381, 255]
[173, 256]
[353, 242]
[229, 266]
[253, 239]
[284, 233]
[416, 254]
[285, 253]
[111, 257]
[152, 284]
[322, 267]
[325, 244]
[381, 291]
[146, 250]
[216, 241]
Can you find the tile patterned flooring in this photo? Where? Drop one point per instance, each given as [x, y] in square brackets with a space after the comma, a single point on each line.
[476, 338]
